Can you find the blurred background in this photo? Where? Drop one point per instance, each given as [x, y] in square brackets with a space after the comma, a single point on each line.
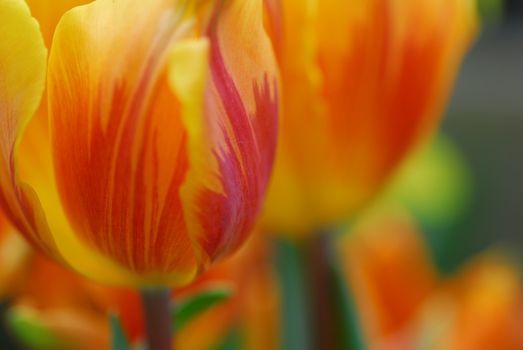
[485, 121]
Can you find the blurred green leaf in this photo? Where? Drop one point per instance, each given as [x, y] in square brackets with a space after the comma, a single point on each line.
[232, 341]
[118, 337]
[436, 184]
[437, 187]
[190, 307]
[491, 11]
[30, 331]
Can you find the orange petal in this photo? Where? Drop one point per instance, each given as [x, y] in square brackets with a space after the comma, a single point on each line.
[118, 140]
[489, 305]
[389, 268]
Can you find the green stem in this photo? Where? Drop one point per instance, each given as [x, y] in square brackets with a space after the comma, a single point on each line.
[334, 313]
[296, 326]
[316, 259]
[157, 316]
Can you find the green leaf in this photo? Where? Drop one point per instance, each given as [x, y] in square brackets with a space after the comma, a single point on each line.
[118, 338]
[194, 305]
[233, 340]
[30, 331]
[435, 184]
[491, 11]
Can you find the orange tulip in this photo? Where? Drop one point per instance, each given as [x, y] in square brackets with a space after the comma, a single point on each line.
[481, 308]
[403, 304]
[388, 267]
[362, 83]
[162, 129]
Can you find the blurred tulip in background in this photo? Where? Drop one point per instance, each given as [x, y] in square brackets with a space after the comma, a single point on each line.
[363, 83]
[404, 303]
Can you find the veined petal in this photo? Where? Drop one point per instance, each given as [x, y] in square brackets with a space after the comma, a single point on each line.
[118, 141]
[22, 74]
[240, 128]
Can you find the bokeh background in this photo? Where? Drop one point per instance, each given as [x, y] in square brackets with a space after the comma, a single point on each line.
[485, 121]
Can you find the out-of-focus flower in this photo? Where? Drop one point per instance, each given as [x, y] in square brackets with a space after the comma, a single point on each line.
[69, 308]
[403, 304]
[162, 130]
[481, 308]
[390, 270]
[74, 311]
[363, 83]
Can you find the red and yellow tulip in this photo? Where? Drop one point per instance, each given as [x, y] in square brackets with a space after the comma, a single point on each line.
[154, 156]
[362, 83]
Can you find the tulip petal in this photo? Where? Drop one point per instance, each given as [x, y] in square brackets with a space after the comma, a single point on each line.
[118, 141]
[240, 128]
[387, 80]
[22, 75]
[395, 76]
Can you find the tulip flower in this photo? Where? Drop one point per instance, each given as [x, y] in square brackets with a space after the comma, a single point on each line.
[404, 304]
[363, 82]
[480, 308]
[160, 138]
[389, 269]
[486, 306]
